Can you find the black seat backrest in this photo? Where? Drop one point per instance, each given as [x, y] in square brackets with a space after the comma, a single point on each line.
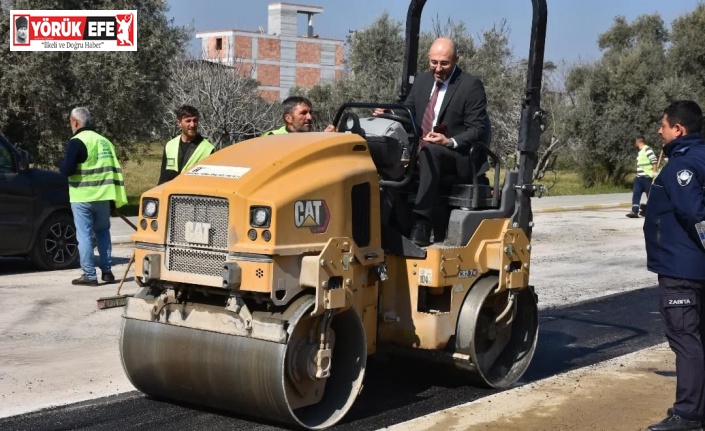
[464, 223]
[478, 194]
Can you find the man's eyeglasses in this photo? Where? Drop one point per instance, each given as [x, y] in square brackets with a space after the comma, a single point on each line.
[435, 63]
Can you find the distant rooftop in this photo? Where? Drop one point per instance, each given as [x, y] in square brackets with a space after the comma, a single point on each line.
[283, 16]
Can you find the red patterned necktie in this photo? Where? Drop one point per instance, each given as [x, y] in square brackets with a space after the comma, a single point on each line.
[429, 114]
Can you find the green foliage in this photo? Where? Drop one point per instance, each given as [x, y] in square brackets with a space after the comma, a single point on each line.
[617, 98]
[624, 93]
[687, 52]
[124, 90]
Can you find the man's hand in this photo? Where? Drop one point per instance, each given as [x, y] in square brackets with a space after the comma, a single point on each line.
[379, 111]
[438, 138]
[113, 209]
[329, 128]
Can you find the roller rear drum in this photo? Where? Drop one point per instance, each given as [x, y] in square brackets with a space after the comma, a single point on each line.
[498, 331]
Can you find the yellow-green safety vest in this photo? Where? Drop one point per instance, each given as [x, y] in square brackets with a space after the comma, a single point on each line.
[99, 178]
[280, 131]
[203, 150]
[644, 163]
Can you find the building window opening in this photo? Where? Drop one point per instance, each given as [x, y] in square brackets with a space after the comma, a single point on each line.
[218, 43]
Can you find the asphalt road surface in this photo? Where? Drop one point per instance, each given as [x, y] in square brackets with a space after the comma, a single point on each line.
[395, 391]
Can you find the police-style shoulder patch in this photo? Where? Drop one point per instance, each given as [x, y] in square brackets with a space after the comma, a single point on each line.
[684, 176]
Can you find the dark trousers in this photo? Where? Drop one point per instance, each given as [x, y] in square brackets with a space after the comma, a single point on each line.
[438, 166]
[641, 185]
[683, 317]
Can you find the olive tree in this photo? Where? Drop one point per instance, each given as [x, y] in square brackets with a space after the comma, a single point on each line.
[618, 97]
[227, 99]
[124, 90]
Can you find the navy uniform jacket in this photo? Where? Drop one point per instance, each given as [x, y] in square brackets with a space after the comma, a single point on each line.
[676, 204]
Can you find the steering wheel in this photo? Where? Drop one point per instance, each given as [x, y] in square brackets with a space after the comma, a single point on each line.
[403, 119]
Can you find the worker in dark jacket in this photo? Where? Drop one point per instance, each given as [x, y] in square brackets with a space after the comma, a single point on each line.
[675, 252]
[187, 149]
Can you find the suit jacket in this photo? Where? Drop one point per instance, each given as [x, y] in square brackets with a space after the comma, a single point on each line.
[463, 108]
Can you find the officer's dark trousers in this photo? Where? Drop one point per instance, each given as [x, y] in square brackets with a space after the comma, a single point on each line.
[641, 185]
[682, 313]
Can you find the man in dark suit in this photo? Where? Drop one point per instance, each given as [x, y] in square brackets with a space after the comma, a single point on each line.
[449, 105]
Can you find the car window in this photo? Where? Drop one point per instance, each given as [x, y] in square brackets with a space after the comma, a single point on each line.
[7, 161]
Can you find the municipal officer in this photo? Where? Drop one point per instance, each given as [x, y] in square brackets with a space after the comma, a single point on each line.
[297, 113]
[676, 254]
[187, 149]
[95, 185]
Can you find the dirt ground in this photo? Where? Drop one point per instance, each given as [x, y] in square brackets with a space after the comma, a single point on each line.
[624, 394]
[57, 348]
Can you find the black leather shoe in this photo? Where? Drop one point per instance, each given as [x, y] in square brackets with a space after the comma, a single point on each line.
[676, 423]
[84, 281]
[421, 233]
[632, 215]
[108, 277]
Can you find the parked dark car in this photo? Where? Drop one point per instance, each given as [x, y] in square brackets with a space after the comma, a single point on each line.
[35, 214]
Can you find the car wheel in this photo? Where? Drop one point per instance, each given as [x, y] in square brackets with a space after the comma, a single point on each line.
[56, 245]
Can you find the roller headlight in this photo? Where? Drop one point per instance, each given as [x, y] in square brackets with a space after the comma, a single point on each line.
[260, 216]
[150, 207]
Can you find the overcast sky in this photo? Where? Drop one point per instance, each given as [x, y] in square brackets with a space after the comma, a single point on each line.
[573, 25]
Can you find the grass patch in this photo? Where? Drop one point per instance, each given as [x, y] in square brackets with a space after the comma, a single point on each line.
[140, 176]
[566, 183]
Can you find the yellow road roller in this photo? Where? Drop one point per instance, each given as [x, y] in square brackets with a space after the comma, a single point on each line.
[270, 271]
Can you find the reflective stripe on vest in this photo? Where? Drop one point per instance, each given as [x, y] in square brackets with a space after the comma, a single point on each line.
[280, 131]
[171, 150]
[645, 162]
[99, 178]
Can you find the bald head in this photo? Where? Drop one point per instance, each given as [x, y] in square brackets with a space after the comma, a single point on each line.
[442, 58]
[443, 45]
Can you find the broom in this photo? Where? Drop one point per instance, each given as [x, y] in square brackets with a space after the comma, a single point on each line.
[118, 300]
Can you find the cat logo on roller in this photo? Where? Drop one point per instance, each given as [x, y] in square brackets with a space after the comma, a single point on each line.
[312, 214]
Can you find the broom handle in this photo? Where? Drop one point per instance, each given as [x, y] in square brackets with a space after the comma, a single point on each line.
[125, 219]
[658, 163]
[124, 276]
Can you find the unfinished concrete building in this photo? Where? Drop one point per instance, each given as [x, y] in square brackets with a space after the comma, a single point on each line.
[278, 58]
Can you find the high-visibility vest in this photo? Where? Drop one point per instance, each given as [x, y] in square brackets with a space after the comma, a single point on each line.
[280, 131]
[645, 161]
[203, 150]
[99, 178]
